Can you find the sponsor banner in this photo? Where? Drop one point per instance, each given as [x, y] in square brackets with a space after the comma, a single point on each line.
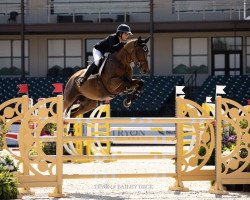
[142, 130]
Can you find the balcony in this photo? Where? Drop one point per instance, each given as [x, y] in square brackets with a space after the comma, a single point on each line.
[100, 16]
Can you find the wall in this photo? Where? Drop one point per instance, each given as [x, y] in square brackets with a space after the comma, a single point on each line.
[162, 41]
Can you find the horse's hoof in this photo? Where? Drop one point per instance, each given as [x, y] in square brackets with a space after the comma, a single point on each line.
[71, 132]
[127, 103]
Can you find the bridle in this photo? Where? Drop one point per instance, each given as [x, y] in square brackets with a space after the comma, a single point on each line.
[138, 61]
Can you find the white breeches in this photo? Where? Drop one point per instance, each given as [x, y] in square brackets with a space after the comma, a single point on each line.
[97, 56]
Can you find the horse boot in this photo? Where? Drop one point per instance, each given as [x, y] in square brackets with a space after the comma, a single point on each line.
[71, 130]
[81, 80]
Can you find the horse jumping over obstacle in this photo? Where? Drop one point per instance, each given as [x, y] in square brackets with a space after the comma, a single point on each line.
[115, 79]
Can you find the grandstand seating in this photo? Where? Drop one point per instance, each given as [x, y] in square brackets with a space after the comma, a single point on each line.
[237, 88]
[38, 87]
[157, 92]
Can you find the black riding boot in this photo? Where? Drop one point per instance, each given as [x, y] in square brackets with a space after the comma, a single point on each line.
[89, 71]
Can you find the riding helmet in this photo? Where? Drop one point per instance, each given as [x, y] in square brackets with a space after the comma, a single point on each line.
[123, 28]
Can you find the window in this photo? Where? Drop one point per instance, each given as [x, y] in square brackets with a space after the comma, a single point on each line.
[8, 6]
[248, 55]
[190, 55]
[64, 57]
[227, 43]
[10, 57]
[226, 56]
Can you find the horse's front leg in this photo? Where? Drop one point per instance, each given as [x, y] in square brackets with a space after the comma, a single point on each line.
[138, 84]
[134, 85]
[136, 88]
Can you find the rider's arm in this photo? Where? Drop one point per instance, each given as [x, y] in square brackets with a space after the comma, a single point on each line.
[114, 43]
[118, 46]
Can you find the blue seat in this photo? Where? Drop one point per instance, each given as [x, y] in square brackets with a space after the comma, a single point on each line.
[237, 88]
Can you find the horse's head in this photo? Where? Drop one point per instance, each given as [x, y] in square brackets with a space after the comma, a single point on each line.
[139, 54]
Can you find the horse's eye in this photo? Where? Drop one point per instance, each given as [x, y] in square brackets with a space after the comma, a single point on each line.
[145, 48]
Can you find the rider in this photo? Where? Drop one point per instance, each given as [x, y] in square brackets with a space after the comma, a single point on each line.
[110, 44]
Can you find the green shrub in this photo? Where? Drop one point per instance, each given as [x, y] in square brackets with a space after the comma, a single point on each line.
[8, 185]
[7, 162]
[49, 148]
[3, 132]
[211, 160]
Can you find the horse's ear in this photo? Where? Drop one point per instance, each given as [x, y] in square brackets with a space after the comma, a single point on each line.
[138, 41]
[143, 41]
[147, 39]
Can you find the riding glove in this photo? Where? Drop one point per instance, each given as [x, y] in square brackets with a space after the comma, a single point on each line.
[119, 45]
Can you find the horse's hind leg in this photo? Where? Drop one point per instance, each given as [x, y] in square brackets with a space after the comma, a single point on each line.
[86, 105]
[70, 95]
[71, 130]
[68, 102]
[66, 107]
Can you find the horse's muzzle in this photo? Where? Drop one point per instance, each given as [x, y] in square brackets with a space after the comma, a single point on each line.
[144, 68]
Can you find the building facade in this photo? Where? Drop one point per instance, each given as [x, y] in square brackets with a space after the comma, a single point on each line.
[209, 37]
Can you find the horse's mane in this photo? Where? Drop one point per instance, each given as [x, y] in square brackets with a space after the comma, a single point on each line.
[131, 40]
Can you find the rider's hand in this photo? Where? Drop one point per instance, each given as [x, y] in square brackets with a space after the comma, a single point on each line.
[121, 44]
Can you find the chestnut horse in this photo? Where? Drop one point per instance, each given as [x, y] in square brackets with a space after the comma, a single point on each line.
[115, 79]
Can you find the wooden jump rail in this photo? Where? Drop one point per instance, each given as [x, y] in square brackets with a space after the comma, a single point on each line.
[137, 175]
[120, 157]
[110, 138]
[124, 120]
